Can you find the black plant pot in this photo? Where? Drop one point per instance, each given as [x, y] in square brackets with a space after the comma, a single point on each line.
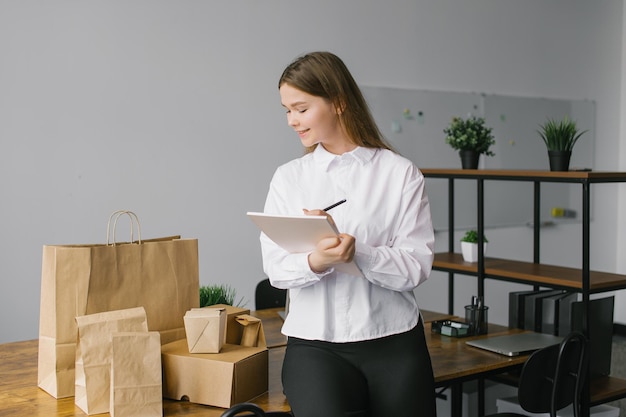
[559, 160]
[469, 159]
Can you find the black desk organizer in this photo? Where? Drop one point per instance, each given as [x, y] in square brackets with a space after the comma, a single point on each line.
[451, 328]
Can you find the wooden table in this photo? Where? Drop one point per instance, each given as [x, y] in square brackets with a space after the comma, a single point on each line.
[453, 363]
[272, 324]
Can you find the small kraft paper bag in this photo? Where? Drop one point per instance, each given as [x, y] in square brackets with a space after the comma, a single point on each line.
[159, 274]
[136, 383]
[93, 354]
[206, 329]
[253, 334]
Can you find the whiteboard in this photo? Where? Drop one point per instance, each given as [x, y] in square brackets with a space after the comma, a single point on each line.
[413, 122]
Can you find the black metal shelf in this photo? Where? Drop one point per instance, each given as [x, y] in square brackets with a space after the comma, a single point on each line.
[581, 279]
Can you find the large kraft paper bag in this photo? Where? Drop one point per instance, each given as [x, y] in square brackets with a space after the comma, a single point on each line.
[94, 354]
[159, 274]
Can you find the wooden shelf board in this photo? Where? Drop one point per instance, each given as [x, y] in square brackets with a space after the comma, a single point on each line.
[527, 175]
[602, 389]
[541, 274]
[606, 388]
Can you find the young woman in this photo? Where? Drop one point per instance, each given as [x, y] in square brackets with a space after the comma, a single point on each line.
[356, 344]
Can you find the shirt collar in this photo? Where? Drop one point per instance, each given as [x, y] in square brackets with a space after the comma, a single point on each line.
[360, 154]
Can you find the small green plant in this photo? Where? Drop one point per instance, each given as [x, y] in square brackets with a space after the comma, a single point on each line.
[470, 134]
[560, 135]
[471, 236]
[217, 294]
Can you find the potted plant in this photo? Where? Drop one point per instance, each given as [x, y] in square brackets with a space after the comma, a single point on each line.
[471, 138]
[560, 138]
[217, 294]
[469, 246]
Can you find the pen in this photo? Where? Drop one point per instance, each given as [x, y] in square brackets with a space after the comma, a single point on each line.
[335, 205]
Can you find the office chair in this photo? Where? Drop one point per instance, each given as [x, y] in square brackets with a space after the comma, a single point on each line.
[553, 377]
[267, 296]
[255, 409]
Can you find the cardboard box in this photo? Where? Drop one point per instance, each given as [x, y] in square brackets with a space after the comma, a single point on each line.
[511, 405]
[252, 334]
[205, 329]
[236, 374]
[233, 329]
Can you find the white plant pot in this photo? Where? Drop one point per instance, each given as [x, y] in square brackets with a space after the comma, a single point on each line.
[470, 251]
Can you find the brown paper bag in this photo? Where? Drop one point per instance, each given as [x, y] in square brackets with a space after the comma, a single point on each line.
[159, 274]
[253, 334]
[136, 384]
[233, 329]
[93, 355]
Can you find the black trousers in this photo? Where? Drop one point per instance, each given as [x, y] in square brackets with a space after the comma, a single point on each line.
[387, 377]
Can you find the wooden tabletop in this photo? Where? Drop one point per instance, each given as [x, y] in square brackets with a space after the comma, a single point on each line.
[272, 324]
[453, 361]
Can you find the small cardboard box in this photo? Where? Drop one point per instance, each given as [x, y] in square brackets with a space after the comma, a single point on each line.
[233, 329]
[236, 374]
[252, 334]
[205, 329]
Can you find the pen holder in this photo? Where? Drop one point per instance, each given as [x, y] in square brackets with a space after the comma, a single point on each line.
[476, 318]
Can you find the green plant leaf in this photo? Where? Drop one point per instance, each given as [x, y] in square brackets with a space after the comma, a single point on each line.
[560, 135]
[471, 236]
[470, 134]
[217, 294]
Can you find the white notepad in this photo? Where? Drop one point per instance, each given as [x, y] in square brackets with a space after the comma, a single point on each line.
[298, 234]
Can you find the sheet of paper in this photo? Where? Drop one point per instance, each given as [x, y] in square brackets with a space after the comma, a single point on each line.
[297, 234]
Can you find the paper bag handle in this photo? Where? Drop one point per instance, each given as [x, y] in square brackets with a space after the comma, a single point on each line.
[133, 218]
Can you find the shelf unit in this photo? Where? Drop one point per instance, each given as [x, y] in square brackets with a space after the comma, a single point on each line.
[582, 280]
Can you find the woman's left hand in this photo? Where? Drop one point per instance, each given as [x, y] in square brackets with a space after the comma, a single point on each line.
[330, 251]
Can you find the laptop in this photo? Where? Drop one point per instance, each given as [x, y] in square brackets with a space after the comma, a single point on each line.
[516, 344]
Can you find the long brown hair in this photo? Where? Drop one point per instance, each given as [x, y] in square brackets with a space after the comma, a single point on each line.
[323, 74]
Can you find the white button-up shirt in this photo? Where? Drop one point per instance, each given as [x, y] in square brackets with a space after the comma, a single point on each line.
[388, 213]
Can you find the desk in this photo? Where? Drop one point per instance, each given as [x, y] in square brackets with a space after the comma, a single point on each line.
[272, 324]
[20, 396]
[453, 363]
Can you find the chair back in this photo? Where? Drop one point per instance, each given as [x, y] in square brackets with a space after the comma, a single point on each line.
[552, 378]
[267, 296]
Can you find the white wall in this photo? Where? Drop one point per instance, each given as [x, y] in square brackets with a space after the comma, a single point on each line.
[620, 305]
[171, 109]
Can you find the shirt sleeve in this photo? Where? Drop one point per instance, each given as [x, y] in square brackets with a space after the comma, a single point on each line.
[285, 270]
[407, 261]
